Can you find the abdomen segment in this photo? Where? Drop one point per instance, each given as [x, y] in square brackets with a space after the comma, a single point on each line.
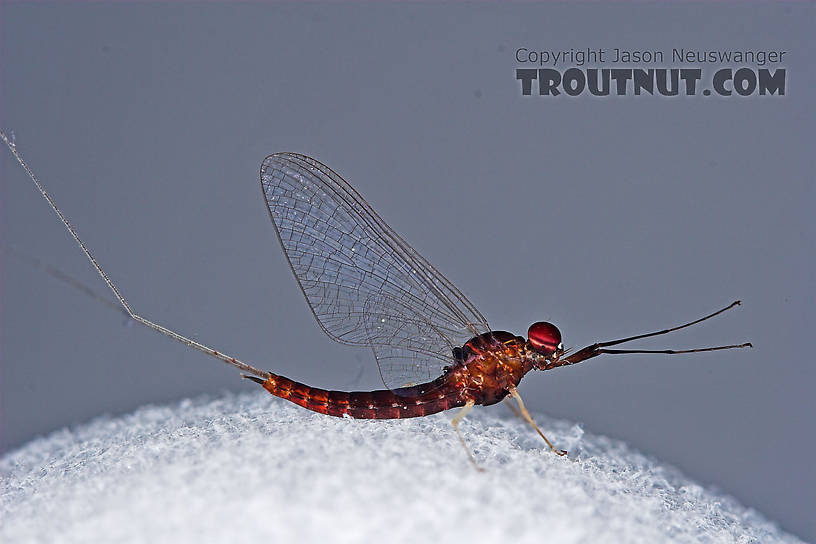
[415, 401]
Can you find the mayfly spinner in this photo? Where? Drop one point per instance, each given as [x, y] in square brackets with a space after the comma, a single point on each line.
[366, 286]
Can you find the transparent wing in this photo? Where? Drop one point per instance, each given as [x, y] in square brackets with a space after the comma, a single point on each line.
[365, 285]
[409, 348]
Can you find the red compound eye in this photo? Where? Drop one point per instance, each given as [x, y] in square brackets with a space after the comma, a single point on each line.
[544, 337]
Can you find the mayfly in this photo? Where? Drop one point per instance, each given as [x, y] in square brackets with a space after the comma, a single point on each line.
[366, 286]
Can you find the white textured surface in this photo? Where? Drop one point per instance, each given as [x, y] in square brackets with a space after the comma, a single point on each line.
[248, 468]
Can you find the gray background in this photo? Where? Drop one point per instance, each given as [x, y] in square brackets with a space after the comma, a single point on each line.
[607, 216]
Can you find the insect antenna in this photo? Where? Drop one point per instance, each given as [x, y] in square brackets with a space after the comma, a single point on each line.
[12, 145]
[601, 347]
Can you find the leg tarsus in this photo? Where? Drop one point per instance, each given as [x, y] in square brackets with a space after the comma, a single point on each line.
[527, 417]
[455, 422]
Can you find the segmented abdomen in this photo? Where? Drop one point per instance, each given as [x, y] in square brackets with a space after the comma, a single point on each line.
[415, 401]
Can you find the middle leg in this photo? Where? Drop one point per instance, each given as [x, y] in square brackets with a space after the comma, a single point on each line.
[455, 422]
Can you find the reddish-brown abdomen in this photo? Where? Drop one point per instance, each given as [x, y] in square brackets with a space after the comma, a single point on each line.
[416, 401]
